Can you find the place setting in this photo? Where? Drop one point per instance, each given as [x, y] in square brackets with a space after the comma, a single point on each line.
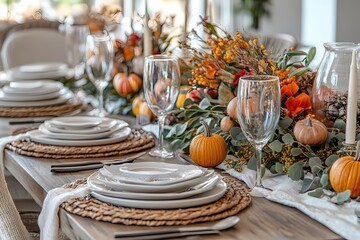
[43, 98]
[82, 137]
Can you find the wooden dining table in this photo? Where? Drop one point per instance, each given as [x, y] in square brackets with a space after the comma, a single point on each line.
[262, 219]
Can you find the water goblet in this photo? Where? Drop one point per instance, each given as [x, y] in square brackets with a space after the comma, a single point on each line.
[161, 88]
[259, 102]
[99, 65]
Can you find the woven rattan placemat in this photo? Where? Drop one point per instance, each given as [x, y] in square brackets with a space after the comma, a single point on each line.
[45, 111]
[236, 198]
[137, 141]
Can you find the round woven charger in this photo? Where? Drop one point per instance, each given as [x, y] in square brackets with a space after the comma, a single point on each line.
[45, 111]
[236, 198]
[137, 141]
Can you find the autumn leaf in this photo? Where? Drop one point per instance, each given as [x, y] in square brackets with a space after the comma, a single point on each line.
[297, 105]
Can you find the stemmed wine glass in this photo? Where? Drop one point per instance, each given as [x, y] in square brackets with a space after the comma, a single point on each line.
[161, 88]
[259, 111]
[99, 65]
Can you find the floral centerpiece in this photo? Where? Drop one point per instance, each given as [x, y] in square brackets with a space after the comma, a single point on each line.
[214, 72]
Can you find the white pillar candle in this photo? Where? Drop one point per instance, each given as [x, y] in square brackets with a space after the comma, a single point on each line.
[351, 117]
[147, 33]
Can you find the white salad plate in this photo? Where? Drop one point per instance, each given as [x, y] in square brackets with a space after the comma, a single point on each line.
[77, 136]
[102, 189]
[196, 200]
[16, 74]
[106, 125]
[116, 137]
[23, 97]
[61, 99]
[117, 185]
[76, 122]
[152, 173]
[27, 88]
[42, 67]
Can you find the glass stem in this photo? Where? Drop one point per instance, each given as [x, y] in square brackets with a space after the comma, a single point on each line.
[161, 130]
[258, 166]
[101, 100]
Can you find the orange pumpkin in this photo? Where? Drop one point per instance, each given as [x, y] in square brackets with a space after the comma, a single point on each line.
[310, 131]
[125, 85]
[345, 174]
[208, 150]
[144, 110]
[136, 105]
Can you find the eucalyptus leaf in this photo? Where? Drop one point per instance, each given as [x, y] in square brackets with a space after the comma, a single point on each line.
[315, 162]
[287, 138]
[296, 171]
[252, 163]
[311, 55]
[299, 72]
[316, 193]
[340, 124]
[176, 144]
[276, 146]
[331, 159]
[306, 185]
[296, 151]
[285, 122]
[324, 180]
[279, 167]
[236, 133]
[188, 102]
[343, 197]
[262, 170]
[204, 104]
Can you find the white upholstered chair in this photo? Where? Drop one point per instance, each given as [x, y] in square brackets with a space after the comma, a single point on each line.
[33, 45]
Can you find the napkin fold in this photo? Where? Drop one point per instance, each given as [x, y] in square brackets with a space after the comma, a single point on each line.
[11, 225]
[339, 218]
[48, 219]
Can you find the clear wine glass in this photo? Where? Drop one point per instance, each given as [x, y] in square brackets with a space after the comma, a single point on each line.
[75, 48]
[161, 89]
[259, 111]
[99, 65]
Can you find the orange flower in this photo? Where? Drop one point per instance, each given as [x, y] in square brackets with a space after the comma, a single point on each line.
[128, 53]
[290, 89]
[211, 69]
[297, 105]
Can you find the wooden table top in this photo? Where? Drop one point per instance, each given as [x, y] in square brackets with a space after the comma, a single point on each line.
[263, 219]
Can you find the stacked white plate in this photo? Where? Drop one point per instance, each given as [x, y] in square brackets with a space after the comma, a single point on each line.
[156, 185]
[34, 94]
[39, 71]
[81, 131]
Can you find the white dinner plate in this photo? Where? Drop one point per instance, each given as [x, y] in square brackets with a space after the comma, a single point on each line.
[106, 125]
[42, 67]
[76, 122]
[201, 199]
[152, 173]
[61, 99]
[33, 88]
[15, 74]
[102, 189]
[119, 136]
[131, 187]
[77, 136]
[23, 97]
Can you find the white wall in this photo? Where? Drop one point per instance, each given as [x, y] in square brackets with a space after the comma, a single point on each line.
[348, 21]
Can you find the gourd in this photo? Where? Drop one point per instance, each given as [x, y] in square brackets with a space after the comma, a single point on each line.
[231, 109]
[208, 150]
[310, 131]
[125, 85]
[345, 174]
[226, 124]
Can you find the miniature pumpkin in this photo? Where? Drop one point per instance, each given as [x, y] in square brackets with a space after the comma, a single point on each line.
[125, 85]
[345, 174]
[310, 131]
[208, 150]
[231, 108]
[226, 124]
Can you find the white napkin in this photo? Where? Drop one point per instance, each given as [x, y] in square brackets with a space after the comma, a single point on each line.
[339, 218]
[48, 219]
